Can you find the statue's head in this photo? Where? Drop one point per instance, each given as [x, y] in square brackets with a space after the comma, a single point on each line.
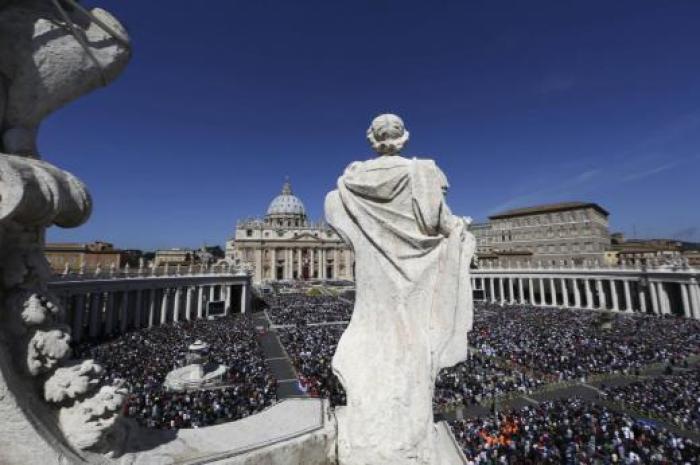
[387, 134]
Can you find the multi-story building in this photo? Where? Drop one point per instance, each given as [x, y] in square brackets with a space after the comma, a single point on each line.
[561, 233]
[86, 256]
[284, 245]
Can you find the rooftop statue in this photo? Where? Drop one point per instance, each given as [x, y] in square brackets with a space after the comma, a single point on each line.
[413, 305]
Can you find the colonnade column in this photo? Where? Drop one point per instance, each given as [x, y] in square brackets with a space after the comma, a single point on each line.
[336, 263]
[543, 300]
[493, 292]
[95, 314]
[176, 307]
[244, 297]
[654, 298]
[521, 294]
[532, 291]
[164, 307]
[151, 307]
[78, 312]
[663, 298]
[642, 295]
[109, 313]
[124, 312]
[511, 293]
[501, 295]
[188, 302]
[694, 290]
[628, 295]
[577, 293]
[312, 265]
[601, 293]
[687, 311]
[553, 290]
[137, 309]
[273, 265]
[613, 291]
[589, 294]
[229, 298]
[300, 266]
[564, 292]
[200, 303]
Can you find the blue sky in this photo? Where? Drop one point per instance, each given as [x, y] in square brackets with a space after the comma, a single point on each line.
[519, 102]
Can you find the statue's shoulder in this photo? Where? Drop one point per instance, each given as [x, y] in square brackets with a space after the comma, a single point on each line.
[379, 163]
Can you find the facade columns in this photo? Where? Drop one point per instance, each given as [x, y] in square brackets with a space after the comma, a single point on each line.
[312, 265]
[200, 303]
[78, 312]
[564, 292]
[628, 295]
[124, 312]
[212, 293]
[543, 300]
[589, 294]
[95, 314]
[300, 265]
[164, 307]
[532, 291]
[336, 263]
[273, 265]
[493, 292]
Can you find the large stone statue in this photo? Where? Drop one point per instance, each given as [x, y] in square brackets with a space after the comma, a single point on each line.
[52, 409]
[413, 304]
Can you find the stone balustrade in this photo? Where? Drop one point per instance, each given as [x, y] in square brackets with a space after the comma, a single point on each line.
[653, 288]
[101, 303]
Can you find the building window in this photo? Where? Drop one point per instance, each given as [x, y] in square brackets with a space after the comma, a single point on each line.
[249, 232]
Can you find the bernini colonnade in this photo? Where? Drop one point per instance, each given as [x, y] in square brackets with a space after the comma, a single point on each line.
[657, 290]
[101, 304]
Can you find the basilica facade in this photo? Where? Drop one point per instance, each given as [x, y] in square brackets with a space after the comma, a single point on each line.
[286, 246]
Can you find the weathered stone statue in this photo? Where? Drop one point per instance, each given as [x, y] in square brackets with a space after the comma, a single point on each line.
[51, 410]
[413, 304]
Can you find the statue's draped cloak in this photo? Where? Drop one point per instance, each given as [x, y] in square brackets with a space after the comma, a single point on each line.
[368, 191]
[413, 306]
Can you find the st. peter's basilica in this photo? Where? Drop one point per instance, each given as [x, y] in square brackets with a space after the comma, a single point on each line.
[285, 245]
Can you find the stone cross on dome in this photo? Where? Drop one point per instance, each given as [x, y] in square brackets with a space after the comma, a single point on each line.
[287, 186]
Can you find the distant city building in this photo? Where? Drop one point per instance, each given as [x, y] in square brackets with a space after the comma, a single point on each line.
[174, 256]
[85, 255]
[561, 233]
[284, 245]
[657, 251]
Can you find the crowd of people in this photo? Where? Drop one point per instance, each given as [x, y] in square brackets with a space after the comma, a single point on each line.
[572, 432]
[301, 309]
[674, 398]
[311, 350]
[477, 379]
[560, 344]
[142, 359]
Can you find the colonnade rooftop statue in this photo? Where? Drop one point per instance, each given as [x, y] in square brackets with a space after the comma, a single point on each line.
[413, 304]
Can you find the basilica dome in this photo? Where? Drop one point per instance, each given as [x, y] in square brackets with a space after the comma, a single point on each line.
[286, 203]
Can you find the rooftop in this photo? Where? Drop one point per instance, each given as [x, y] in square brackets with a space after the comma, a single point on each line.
[548, 208]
